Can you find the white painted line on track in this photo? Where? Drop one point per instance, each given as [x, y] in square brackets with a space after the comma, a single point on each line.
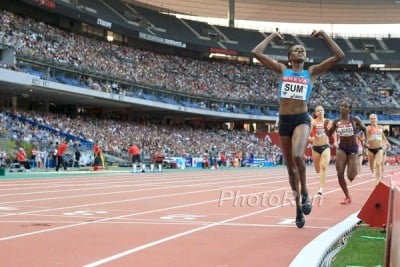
[146, 189]
[119, 217]
[148, 197]
[136, 214]
[166, 239]
[133, 250]
[172, 237]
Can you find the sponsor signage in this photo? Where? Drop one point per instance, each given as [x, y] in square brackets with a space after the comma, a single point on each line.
[223, 51]
[47, 3]
[161, 40]
[104, 23]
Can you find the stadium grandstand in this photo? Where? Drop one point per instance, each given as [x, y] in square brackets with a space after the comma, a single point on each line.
[126, 60]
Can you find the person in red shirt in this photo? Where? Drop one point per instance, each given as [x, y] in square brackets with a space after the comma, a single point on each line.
[20, 155]
[222, 160]
[158, 158]
[96, 150]
[98, 156]
[21, 158]
[134, 154]
[61, 149]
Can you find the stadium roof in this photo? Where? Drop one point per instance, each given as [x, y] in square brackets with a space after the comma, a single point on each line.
[292, 11]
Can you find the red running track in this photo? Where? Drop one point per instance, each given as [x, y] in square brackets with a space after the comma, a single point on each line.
[221, 218]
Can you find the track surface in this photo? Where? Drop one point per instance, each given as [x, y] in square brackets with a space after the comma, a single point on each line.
[232, 217]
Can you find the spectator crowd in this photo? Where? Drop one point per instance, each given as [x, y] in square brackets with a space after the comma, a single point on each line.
[226, 81]
[230, 81]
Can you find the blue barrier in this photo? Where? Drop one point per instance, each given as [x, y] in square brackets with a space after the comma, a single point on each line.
[268, 164]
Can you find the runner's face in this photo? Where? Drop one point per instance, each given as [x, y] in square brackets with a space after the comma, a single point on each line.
[319, 112]
[373, 119]
[344, 107]
[297, 53]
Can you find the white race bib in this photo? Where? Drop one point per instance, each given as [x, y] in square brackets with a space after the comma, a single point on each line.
[294, 90]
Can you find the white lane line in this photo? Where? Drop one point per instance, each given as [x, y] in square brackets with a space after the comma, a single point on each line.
[134, 214]
[124, 216]
[141, 190]
[166, 239]
[151, 197]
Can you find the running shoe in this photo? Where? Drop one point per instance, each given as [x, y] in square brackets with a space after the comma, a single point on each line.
[300, 221]
[306, 204]
[320, 192]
